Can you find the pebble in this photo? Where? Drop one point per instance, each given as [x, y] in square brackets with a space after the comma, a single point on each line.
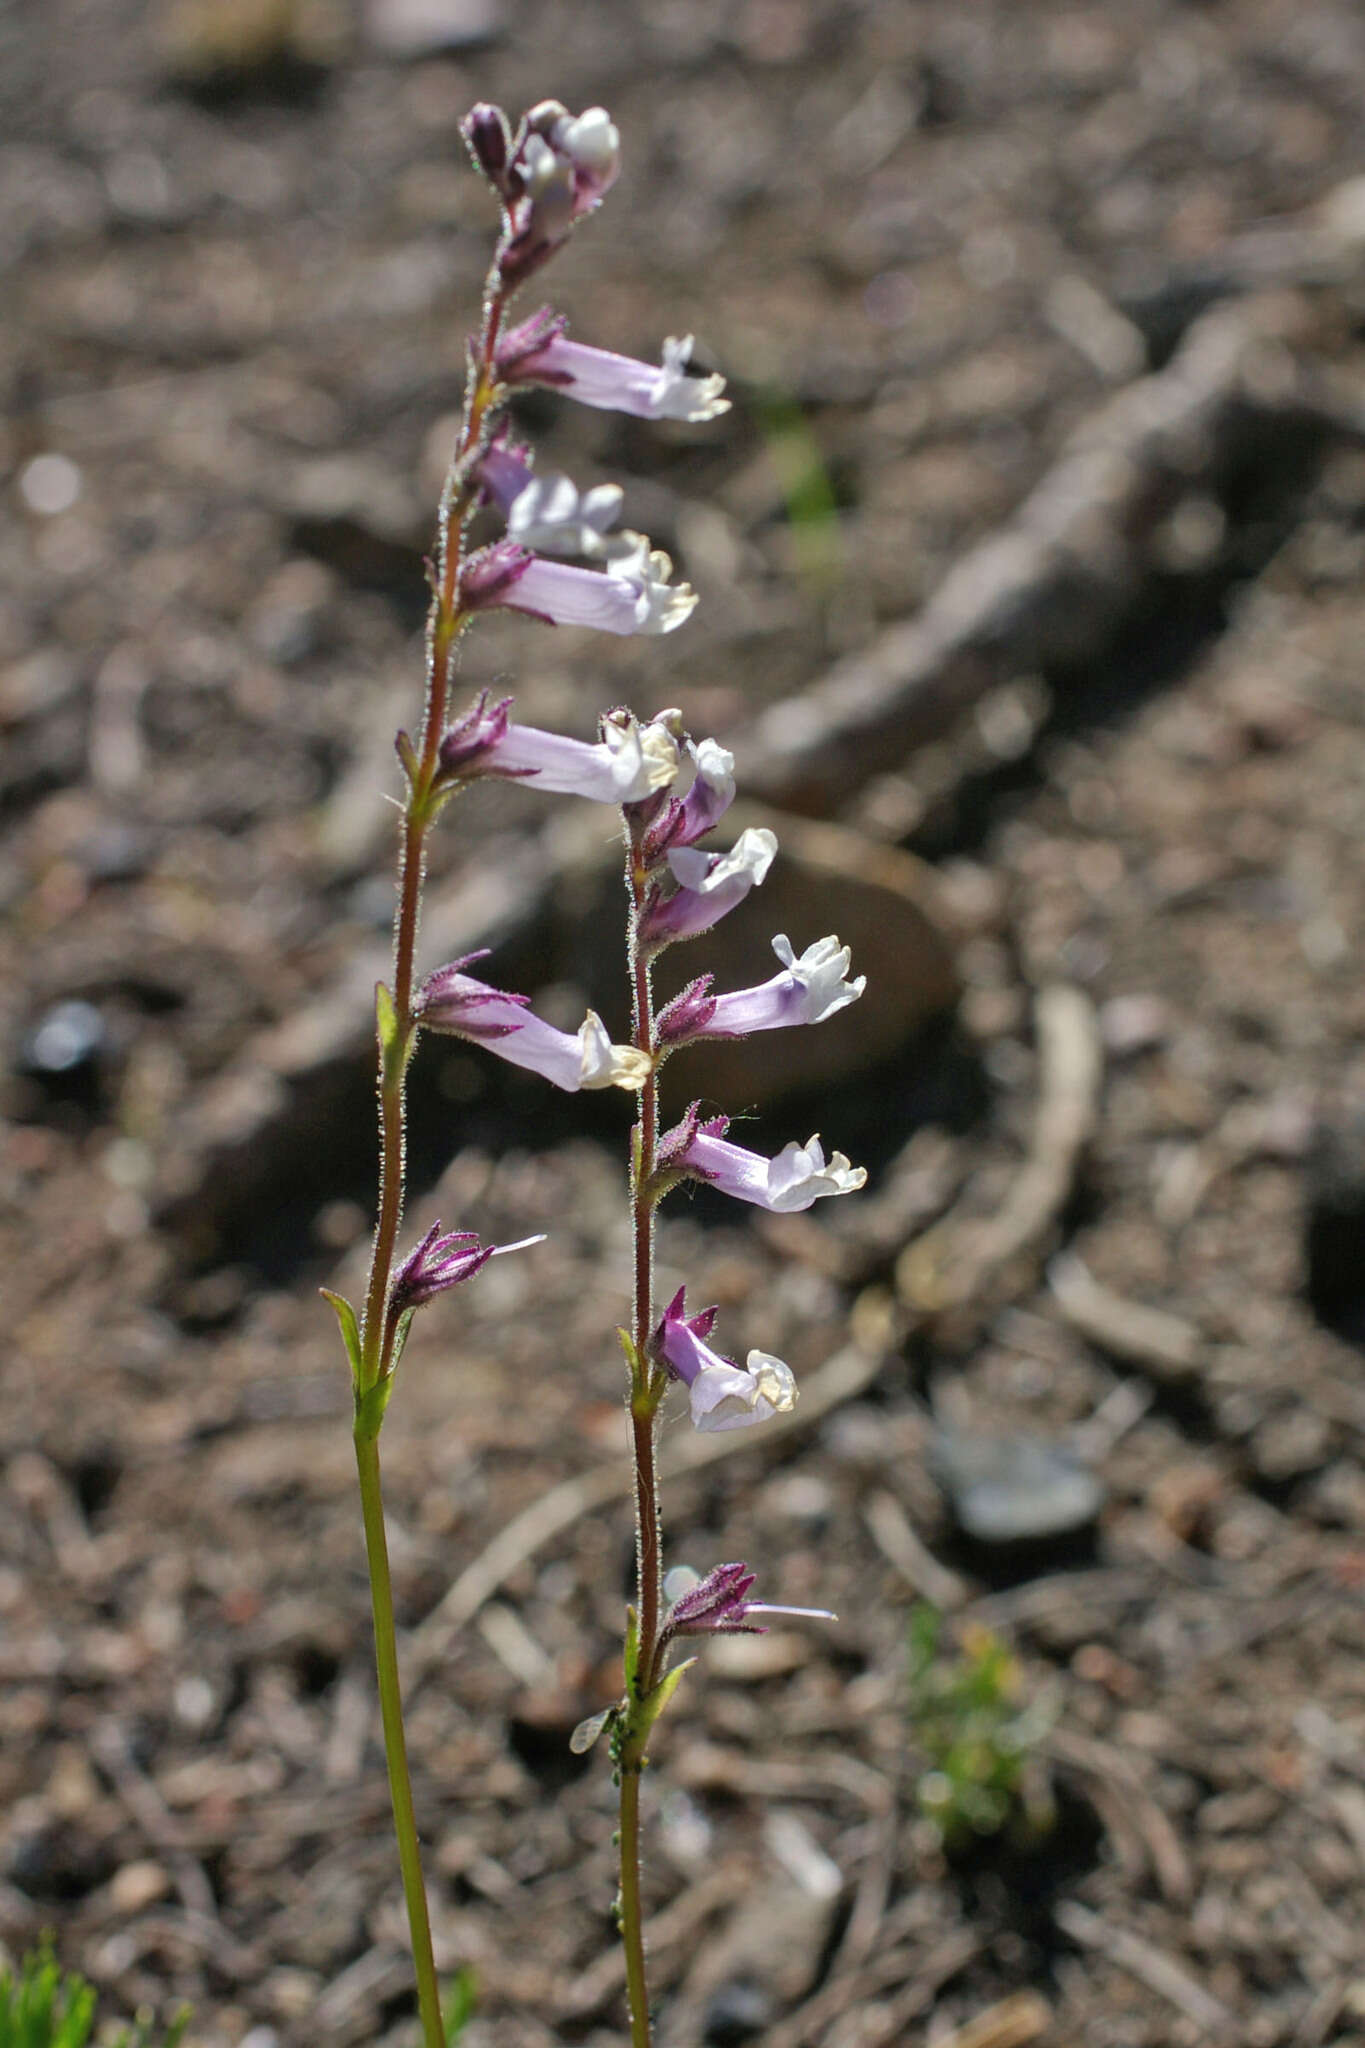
[137, 1886]
[68, 1036]
[424, 28]
[1015, 1489]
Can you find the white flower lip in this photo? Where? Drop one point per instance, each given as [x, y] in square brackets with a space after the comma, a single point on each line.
[604, 1065]
[724, 1396]
[707, 874]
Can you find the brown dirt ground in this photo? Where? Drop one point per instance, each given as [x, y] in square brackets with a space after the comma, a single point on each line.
[235, 301]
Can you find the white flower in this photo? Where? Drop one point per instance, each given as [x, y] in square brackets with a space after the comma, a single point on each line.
[551, 515]
[660, 606]
[724, 1397]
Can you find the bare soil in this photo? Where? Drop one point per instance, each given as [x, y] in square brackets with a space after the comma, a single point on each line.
[927, 243]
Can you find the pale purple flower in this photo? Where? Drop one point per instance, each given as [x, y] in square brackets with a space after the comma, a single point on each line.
[633, 594]
[613, 383]
[688, 819]
[808, 990]
[453, 1002]
[630, 761]
[708, 886]
[549, 513]
[797, 1177]
[723, 1395]
[440, 1262]
[718, 1605]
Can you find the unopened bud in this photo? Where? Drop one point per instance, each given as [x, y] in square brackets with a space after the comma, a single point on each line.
[488, 140]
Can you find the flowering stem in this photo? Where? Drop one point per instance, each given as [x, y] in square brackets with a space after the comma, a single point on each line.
[644, 1404]
[396, 1038]
[445, 624]
[395, 1744]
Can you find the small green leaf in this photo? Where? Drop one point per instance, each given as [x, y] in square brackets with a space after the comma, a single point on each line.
[394, 1045]
[459, 2003]
[631, 1656]
[350, 1330]
[400, 1338]
[407, 754]
[587, 1732]
[664, 1691]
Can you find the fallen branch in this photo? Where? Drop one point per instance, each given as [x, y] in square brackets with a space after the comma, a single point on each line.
[955, 1261]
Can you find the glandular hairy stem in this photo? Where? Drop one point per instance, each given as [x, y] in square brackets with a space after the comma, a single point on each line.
[397, 1025]
[643, 1414]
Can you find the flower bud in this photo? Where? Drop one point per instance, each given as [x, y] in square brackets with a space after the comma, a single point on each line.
[488, 139]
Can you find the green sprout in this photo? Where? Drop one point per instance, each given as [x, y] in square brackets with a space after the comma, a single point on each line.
[42, 2007]
[458, 2002]
[977, 1735]
[807, 492]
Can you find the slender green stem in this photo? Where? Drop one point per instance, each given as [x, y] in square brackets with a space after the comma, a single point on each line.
[379, 1327]
[395, 1742]
[632, 1918]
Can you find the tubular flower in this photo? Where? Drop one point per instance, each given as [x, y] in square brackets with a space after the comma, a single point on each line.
[548, 512]
[440, 1262]
[452, 1002]
[709, 885]
[797, 1177]
[633, 596]
[808, 990]
[688, 819]
[629, 762]
[718, 1605]
[723, 1395]
[612, 383]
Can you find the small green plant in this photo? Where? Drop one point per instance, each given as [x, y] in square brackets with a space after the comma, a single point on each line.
[459, 2002]
[978, 1737]
[43, 2007]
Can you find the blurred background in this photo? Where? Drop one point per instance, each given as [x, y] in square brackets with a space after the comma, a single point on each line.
[1031, 604]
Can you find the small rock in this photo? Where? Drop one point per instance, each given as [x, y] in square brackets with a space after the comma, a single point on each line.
[739, 2011]
[423, 28]
[1336, 1223]
[69, 1036]
[1133, 1023]
[137, 1886]
[750, 1658]
[1014, 1489]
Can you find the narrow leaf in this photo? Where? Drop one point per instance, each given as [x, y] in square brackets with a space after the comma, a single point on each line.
[350, 1329]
